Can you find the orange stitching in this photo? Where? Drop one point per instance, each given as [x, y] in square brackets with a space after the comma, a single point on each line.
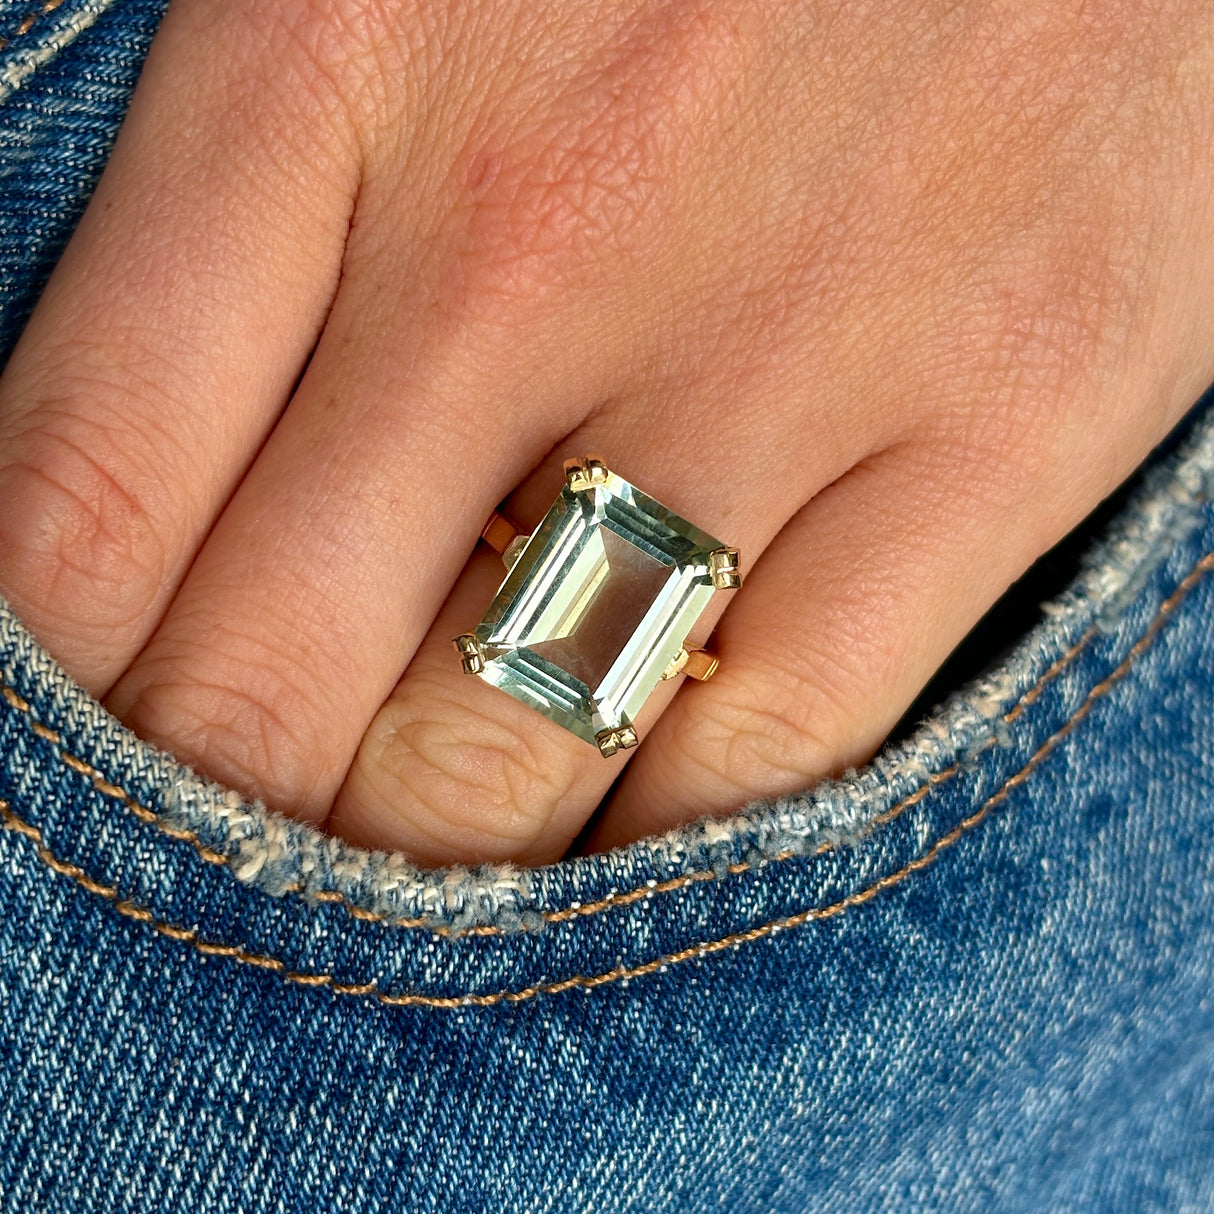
[1035, 692]
[27, 22]
[579, 909]
[588, 982]
[574, 910]
[100, 783]
[704, 949]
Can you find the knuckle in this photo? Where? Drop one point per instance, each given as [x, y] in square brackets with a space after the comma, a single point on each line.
[78, 540]
[764, 744]
[462, 775]
[1038, 348]
[592, 179]
[1046, 331]
[1062, 213]
[775, 734]
[747, 749]
[246, 721]
[339, 45]
[327, 59]
[540, 216]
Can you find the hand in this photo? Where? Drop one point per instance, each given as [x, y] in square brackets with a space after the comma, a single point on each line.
[888, 295]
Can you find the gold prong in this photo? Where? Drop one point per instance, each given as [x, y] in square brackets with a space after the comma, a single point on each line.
[499, 532]
[676, 665]
[503, 536]
[472, 656]
[723, 564]
[701, 664]
[585, 473]
[611, 740]
[695, 663]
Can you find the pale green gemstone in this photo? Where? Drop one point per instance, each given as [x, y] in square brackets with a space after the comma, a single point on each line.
[597, 606]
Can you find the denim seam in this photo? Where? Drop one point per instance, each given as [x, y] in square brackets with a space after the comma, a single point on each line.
[13, 821]
[24, 61]
[27, 23]
[575, 910]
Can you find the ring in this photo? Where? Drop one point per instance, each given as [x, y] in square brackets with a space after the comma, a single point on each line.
[598, 606]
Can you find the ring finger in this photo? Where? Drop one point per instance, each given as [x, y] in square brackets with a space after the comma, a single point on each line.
[452, 768]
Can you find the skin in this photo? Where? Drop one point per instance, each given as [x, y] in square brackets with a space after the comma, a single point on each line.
[888, 295]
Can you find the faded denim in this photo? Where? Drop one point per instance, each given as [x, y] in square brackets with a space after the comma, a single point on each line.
[974, 975]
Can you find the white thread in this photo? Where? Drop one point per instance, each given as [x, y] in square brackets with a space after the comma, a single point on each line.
[24, 63]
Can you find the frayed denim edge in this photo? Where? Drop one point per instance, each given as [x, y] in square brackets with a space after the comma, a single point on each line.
[48, 34]
[277, 855]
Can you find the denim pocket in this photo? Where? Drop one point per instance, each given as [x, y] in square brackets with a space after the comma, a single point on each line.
[197, 864]
[974, 974]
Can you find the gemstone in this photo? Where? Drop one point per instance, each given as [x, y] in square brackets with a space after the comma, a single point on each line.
[596, 607]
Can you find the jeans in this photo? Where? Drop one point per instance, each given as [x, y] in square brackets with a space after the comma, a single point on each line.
[973, 975]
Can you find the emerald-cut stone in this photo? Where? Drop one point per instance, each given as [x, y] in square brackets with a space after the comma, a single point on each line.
[597, 606]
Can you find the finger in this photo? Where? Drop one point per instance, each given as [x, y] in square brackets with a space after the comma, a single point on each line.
[842, 622]
[328, 566]
[170, 334]
[473, 329]
[453, 769]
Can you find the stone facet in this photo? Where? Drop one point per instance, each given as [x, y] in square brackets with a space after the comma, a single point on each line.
[596, 607]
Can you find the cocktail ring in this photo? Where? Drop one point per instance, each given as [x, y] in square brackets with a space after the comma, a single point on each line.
[598, 606]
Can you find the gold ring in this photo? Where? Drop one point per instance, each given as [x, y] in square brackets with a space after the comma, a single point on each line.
[598, 605]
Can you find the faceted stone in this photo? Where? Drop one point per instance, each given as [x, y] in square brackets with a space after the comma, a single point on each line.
[597, 606]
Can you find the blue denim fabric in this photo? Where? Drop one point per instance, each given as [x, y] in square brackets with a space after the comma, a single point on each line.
[974, 975]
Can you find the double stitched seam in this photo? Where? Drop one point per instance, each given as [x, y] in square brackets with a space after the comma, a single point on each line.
[27, 23]
[615, 899]
[371, 989]
[575, 910]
